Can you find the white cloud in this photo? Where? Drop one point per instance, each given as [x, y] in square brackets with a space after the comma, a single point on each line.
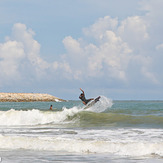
[19, 55]
[115, 51]
[154, 19]
[98, 29]
[114, 45]
[133, 30]
[11, 55]
[108, 57]
[111, 57]
[110, 50]
[31, 47]
[72, 46]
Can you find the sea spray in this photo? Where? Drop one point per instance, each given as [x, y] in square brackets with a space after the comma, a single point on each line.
[103, 104]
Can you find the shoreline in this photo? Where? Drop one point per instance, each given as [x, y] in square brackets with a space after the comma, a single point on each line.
[28, 97]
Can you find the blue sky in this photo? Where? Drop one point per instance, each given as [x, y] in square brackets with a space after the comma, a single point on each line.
[107, 47]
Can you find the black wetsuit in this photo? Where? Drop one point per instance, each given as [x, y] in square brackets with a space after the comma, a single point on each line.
[82, 97]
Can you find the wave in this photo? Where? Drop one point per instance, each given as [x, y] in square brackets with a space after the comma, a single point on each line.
[35, 117]
[118, 120]
[130, 148]
[101, 114]
[76, 116]
[14, 117]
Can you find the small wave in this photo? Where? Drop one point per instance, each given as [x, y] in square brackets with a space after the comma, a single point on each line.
[35, 117]
[77, 116]
[117, 120]
[135, 148]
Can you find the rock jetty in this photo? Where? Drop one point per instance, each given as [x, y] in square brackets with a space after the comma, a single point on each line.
[27, 97]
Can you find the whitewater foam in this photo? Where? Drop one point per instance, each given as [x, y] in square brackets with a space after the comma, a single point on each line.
[82, 144]
[103, 104]
[35, 117]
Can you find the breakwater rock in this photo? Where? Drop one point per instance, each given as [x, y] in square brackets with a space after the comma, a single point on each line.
[27, 97]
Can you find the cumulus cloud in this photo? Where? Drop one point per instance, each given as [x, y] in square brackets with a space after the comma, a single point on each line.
[11, 55]
[133, 30]
[100, 27]
[111, 50]
[113, 47]
[19, 53]
[31, 47]
[106, 56]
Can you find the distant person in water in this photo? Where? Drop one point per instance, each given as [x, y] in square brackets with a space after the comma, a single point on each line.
[82, 97]
[51, 107]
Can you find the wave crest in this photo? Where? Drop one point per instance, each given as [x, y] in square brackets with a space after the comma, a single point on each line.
[34, 117]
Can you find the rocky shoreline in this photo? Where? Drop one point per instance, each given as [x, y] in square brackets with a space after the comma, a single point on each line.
[27, 97]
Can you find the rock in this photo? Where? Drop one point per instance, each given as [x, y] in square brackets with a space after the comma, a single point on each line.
[27, 97]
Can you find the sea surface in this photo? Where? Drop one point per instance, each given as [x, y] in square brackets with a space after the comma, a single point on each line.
[110, 131]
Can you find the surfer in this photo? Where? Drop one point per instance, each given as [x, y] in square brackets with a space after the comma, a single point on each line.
[82, 97]
[51, 107]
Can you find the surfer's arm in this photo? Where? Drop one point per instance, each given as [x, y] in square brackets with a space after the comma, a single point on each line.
[81, 90]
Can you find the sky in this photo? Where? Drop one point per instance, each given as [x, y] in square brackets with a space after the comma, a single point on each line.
[112, 48]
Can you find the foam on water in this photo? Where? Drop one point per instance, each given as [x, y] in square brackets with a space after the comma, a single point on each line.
[103, 104]
[81, 142]
[35, 117]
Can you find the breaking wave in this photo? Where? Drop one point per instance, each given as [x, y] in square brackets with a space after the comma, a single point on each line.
[128, 148]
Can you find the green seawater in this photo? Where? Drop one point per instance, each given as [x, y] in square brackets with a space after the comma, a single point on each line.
[121, 114]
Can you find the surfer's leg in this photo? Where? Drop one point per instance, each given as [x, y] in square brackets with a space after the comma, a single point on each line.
[88, 100]
[84, 103]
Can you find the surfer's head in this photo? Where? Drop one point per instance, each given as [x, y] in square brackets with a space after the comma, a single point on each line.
[82, 94]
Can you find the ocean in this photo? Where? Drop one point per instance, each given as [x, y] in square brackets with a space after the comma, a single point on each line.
[110, 131]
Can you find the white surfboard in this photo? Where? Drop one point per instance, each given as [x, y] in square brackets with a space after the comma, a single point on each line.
[92, 103]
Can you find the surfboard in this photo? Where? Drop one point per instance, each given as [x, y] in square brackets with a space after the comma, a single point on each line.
[92, 103]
